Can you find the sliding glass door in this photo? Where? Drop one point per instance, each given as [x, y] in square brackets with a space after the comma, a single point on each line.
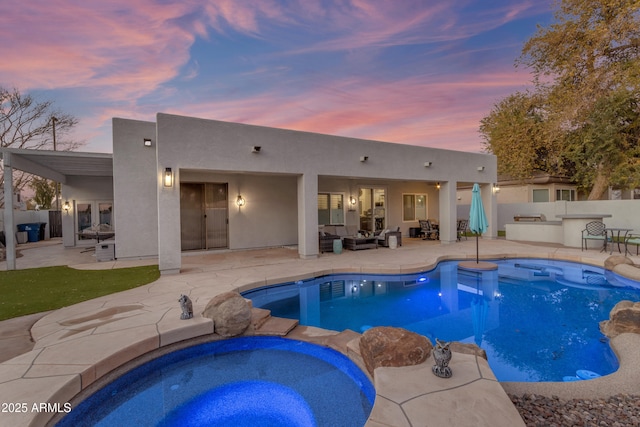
[372, 207]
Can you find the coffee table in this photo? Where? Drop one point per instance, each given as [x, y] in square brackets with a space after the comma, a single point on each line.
[357, 243]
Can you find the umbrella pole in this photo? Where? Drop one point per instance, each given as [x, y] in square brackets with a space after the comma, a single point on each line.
[477, 250]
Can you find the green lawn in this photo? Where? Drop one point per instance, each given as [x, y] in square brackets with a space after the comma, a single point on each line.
[35, 290]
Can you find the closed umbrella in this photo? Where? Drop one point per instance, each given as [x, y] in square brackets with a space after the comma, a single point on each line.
[478, 223]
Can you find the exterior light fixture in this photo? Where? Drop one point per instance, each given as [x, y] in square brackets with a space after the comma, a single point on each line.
[256, 149]
[240, 201]
[168, 177]
[480, 168]
[66, 206]
[352, 201]
[427, 164]
[496, 188]
[437, 185]
[364, 158]
[147, 142]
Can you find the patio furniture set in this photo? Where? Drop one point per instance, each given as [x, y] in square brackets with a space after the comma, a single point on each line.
[597, 230]
[431, 231]
[354, 239]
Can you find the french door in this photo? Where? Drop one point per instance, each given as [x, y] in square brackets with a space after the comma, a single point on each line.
[372, 206]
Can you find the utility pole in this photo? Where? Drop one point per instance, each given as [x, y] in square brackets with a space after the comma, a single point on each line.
[53, 122]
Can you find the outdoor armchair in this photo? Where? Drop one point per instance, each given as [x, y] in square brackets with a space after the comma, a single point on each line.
[383, 237]
[429, 230]
[632, 239]
[594, 230]
[463, 225]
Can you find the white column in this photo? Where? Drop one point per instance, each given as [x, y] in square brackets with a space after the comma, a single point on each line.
[448, 212]
[9, 226]
[308, 215]
[489, 201]
[169, 241]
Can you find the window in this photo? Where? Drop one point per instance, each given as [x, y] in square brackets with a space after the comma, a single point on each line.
[541, 195]
[330, 209]
[414, 207]
[565, 194]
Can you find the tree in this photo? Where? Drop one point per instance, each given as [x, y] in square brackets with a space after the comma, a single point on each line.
[27, 123]
[586, 68]
[516, 132]
[606, 148]
[45, 192]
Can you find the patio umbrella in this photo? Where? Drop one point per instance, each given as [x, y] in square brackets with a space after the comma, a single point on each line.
[478, 223]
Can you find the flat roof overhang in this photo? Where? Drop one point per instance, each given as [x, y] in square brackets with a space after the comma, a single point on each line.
[57, 165]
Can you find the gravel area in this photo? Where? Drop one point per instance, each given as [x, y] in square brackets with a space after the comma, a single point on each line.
[542, 411]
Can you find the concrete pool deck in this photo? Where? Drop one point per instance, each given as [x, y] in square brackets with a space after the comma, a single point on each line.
[77, 345]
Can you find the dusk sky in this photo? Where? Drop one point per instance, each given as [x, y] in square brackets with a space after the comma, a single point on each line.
[413, 72]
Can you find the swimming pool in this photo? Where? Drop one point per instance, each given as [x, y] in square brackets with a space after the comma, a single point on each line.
[247, 381]
[538, 320]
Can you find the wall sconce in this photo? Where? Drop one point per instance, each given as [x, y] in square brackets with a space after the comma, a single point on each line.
[168, 177]
[352, 201]
[147, 142]
[496, 188]
[427, 164]
[364, 158]
[480, 168]
[240, 201]
[256, 149]
[437, 185]
[66, 206]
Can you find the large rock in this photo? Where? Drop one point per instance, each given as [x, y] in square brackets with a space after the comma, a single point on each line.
[230, 312]
[386, 346]
[624, 317]
[615, 260]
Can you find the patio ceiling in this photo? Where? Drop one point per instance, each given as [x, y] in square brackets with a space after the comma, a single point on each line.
[57, 165]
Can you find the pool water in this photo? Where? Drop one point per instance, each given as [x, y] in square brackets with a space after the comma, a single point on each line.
[537, 320]
[247, 381]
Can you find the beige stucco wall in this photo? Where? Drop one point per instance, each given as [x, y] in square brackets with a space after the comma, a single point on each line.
[283, 179]
[136, 183]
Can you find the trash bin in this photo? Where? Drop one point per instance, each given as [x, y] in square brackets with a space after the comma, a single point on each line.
[22, 237]
[32, 229]
[41, 232]
[337, 246]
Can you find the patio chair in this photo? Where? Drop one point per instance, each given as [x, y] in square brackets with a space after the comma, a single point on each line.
[463, 224]
[383, 237]
[429, 231]
[632, 239]
[594, 230]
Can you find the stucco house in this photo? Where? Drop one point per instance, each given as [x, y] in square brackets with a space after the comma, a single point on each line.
[188, 184]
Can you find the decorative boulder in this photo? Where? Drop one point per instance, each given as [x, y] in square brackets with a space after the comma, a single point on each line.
[230, 312]
[386, 346]
[614, 260]
[624, 317]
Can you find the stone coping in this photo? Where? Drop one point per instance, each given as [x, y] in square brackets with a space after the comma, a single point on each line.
[111, 334]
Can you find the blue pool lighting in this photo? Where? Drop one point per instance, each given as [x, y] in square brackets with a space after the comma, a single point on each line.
[246, 381]
[537, 319]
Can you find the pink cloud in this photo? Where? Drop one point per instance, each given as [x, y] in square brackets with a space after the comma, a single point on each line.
[121, 51]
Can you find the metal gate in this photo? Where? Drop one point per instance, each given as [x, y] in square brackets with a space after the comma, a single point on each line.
[55, 224]
[203, 216]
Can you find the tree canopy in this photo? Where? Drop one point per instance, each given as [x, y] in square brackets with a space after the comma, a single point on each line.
[582, 118]
[28, 123]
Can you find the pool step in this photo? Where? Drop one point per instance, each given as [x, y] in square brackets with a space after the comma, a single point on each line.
[264, 324]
